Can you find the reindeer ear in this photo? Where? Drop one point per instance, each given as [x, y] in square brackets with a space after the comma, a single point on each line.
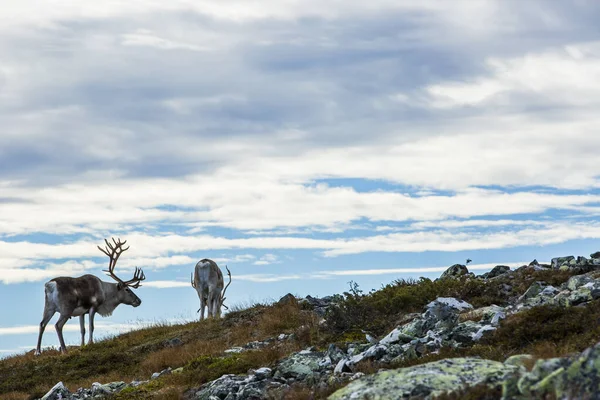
[120, 285]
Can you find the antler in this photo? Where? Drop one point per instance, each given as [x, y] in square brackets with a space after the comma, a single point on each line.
[114, 251]
[138, 276]
[224, 290]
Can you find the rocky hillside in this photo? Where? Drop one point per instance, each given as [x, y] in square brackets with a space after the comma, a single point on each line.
[528, 333]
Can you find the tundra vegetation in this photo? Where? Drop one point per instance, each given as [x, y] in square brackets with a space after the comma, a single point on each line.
[539, 314]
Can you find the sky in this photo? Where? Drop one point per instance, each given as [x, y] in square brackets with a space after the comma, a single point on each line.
[304, 144]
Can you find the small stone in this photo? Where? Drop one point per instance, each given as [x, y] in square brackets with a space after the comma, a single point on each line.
[342, 367]
[357, 376]
[175, 342]
[263, 373]
[234, 350]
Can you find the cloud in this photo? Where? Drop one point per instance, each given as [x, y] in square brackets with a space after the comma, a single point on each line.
[329, 274]
[156, 247]
[378, 126]
[267, 259]
[562, 76]
[99, 327]
[260, 278]
[85, 208]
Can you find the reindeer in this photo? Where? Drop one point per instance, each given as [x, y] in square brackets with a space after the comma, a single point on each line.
[207, 279]
[87, 294]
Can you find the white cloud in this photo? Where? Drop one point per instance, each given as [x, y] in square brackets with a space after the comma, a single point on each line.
[77, 208]
[260, 278]
[104, 328]
[155, 247]
[166, 284]
[144, 37]
[567, 75]
[267, 259]
[152, 117]
[329, 274]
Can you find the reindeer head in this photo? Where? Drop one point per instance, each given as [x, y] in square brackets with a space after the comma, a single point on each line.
[125, 294]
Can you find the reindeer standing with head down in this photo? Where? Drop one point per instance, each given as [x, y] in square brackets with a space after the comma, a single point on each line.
[87, 294]
[207, 279]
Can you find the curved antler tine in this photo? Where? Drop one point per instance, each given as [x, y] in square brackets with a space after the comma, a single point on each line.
[138, 276]
[103, 250]
[225, 289]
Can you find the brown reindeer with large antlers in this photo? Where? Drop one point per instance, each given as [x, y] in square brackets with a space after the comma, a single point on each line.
[207, 279]
[87, 294]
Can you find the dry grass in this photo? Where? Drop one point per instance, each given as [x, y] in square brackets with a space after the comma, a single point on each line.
[304, 393]
[137, 354]
[15, 396]
[543, 332]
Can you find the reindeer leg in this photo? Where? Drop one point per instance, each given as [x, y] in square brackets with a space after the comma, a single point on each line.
[48, 314]
[214, 304]
[59, 327]
[202, 306]
[92, 314]
[82, 328]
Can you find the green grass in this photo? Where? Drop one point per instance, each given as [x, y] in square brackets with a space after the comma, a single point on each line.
[380, 311]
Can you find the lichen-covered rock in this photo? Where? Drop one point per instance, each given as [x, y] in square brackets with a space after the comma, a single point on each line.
[450, 302]
[157, 375]
[539, 293]
[519, 360]
[455, 271]
[541, 370]
[301, 366]
[533, 290]
[397, 336]
[426, 380]
[442, 313]
[99, 389]
[562, 378]
[239, 387]
[558, 262]
[491, 315]
[263, 373]
[497, 271]
[416, 328]
[374, 352]
[575, 282]
[335, 354]
[58, 392]
[579, 296]
[466, 332]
